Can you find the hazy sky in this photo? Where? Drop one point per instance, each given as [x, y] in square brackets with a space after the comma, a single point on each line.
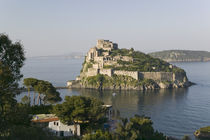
[51, 27]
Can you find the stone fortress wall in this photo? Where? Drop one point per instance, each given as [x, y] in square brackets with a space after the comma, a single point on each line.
[108, 72]
[133, 74]
[156, 76]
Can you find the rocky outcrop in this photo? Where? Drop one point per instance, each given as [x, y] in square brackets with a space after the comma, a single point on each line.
[203, 133]
[107, 67]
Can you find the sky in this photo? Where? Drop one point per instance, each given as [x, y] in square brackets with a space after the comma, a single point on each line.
[56, 27]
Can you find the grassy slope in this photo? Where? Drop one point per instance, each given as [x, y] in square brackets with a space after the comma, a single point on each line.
[142, 62]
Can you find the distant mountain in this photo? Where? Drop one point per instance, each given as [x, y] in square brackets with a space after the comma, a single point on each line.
[182, 56]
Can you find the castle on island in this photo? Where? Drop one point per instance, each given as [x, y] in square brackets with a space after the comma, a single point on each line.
[99, 60]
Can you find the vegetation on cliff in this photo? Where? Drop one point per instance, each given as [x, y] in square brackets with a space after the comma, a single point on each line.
[182, 55]
[141, 62]
[117, 82]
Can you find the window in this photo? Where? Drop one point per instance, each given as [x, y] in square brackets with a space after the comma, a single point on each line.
[54, 123]
[57, 123]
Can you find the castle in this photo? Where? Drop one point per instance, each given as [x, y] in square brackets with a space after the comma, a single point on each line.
[99, 56]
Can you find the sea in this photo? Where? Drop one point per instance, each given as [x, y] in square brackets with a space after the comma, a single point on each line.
[174, 112]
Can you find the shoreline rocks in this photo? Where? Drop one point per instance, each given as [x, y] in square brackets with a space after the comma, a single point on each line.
[203, 133]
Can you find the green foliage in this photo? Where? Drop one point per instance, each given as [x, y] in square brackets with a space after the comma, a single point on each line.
[45, 88]
[103, 81]
[87, 65]
[29, 132]
[138, 128]
[99, 135]
[147, 82]
[41, 109]
[123, 52]
[142, 62]
[11, 60]
[79, 109]
[25, 100]
[30, 82]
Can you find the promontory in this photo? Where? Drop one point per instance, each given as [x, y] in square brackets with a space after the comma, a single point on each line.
[108, 67]
[182, 55]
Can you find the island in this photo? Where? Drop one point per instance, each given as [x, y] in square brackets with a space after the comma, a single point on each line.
[203, 133]
[108, 67]
[182, 56]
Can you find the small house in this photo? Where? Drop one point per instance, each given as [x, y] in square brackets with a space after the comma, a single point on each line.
[55, 126]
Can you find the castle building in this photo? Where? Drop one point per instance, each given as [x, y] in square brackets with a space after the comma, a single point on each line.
[99, 60]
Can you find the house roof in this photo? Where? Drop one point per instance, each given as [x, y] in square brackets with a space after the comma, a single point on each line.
[44, 118]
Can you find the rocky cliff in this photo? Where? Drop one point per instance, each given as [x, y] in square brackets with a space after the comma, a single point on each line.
[108, 67]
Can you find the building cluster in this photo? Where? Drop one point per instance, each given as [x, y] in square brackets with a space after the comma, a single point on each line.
[54, 125]
[99, 57]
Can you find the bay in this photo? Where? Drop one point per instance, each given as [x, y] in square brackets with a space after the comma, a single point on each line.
[176, 112]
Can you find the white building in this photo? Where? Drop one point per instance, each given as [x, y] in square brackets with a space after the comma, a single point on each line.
[55, 125]
[60, 129]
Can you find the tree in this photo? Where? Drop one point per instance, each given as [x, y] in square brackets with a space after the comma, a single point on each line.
[47, 92]
[25, 100]
[79, 109]
[40, 88]
[30, 83]
[11, 60]
[51, 95]
[137, 128]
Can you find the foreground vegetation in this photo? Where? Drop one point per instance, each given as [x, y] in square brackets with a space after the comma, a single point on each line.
[46, 92]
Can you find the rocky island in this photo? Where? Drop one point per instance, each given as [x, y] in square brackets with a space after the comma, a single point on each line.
[182, 56]
[108, 67]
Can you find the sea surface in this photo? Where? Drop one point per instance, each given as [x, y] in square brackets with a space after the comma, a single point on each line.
[176, 112]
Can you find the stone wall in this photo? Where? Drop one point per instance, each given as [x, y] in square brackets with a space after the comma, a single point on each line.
[108, 72]
[157, 76]
[106, 45]
[92, 72]
[134, 74]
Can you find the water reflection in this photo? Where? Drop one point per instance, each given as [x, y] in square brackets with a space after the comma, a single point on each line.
[137, 102]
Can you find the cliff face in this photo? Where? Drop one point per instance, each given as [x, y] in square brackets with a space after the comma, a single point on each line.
[182, 56]
[107, 67]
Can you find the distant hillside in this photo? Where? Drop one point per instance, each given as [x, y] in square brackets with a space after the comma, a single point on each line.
[182, 56]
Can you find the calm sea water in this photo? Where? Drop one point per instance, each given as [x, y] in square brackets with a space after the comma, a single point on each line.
[175, 112]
